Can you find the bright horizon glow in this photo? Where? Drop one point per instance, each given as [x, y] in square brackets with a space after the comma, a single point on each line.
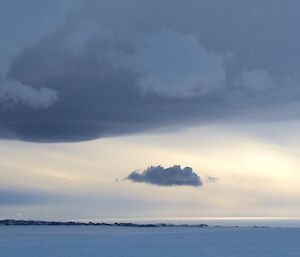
[249, 172]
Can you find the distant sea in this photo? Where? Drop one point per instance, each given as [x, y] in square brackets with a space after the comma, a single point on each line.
[285, 222]
[112, 241]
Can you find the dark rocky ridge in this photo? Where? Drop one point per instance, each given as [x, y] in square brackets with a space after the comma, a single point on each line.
[11, 222]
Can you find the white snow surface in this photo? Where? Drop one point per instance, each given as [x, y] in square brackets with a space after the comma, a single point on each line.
[93, 241]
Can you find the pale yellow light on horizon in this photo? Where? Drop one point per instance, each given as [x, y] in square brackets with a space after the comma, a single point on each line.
[255, 176]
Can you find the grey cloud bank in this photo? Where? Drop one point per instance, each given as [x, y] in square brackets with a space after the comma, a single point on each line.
[160, 176]
[116, 67]
[11, 197]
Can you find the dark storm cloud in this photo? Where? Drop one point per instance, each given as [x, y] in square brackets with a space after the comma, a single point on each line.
[19, 197]
[173, 176]
[116, 67]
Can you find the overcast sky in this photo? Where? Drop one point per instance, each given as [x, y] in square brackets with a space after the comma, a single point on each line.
[149, 108]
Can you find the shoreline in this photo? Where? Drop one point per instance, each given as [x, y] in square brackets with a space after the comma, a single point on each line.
[13, 222]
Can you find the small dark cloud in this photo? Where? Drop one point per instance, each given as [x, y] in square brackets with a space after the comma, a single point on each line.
[173, 176]
[211, 179]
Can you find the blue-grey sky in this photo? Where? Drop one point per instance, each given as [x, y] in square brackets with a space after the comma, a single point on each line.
[119, 73]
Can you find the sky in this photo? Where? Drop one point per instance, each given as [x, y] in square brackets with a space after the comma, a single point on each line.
[149, 109]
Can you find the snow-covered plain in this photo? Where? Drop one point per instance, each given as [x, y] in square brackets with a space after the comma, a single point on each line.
[92, 241]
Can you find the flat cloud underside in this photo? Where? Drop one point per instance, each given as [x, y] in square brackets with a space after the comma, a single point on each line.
[157, 72]
[95, 99]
